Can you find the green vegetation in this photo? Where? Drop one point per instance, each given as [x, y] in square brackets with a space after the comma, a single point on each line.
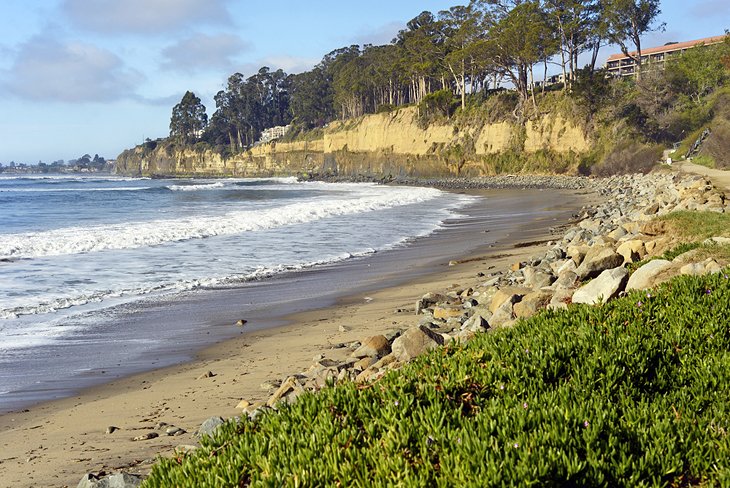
[632, 393]
[453, 65]
[691, 226]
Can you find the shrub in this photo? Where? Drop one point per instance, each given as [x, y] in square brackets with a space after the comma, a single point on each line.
[631, 157]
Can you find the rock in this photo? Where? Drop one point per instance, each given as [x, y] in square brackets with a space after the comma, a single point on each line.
[577, 253]
[476, 323]
[560, 299]
[429, 299]
[342, 328]
[632, 251]
[693, 269]
[511, 294]
[535, 278]
[531, 304]
[385, 361]
[414, 342]
[444, 313]
[375, 346]
[209, 426]
[723, 241]
[172, 430]
[208, 374]
[241, 322]
[117, 480]
[567, 280]
[289, 390]
[243, 404]
[364, 363]
[270, 384]
[603, 288]
[645, 277]
[597, 261]
[111, 429]
[146, 437]
[503, 316]
[713, 267]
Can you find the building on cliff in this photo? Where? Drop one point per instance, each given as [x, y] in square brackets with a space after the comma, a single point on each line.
[621, 65]
[268, 135]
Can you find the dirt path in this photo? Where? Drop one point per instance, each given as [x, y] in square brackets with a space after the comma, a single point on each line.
[720, 178]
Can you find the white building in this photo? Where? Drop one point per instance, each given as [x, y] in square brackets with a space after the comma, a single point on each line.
[272, 133]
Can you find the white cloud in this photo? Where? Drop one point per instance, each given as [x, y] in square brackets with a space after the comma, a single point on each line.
[144, 16]
[50, 70]
[203, 52]
[380, 35]
[290, 64]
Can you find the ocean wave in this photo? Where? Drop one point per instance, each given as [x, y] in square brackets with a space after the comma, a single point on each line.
[76, 240]
[76, 190]
[50, 304]
[204, 186]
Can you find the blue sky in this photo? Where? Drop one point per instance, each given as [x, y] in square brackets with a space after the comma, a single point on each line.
[99, 76]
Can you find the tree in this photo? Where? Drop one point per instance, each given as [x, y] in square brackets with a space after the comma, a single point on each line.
[699, 70]
[188, 119]
[628, 20]
[461, 29]
[517, 41]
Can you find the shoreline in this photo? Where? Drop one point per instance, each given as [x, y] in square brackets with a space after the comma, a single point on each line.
[181, 395]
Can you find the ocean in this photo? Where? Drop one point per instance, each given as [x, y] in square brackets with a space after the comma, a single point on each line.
[94, 269]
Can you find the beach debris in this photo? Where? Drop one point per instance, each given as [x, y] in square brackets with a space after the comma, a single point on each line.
[209, 426]
[146, 437]
[117, 480]
[208, 374]
[342, 328]
[243, 404]
[111, 429]
[241, 322]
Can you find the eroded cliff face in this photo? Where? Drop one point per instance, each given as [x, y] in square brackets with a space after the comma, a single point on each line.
[383, 144]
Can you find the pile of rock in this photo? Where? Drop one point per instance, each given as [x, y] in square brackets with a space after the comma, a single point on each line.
[588, 265]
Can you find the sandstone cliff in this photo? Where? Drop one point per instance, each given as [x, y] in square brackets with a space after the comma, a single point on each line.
[384, 144]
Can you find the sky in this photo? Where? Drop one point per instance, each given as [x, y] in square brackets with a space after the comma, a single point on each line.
[100, 76]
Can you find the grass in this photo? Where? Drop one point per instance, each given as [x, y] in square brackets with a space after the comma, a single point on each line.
[632, 393]
[694, 226]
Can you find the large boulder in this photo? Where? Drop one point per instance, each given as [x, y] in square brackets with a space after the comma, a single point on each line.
[598, 260]
[603, 288]
[375, 346]
[414, 342]
[647, 276]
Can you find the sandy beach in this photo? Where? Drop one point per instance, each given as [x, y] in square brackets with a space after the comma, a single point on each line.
[55, 443]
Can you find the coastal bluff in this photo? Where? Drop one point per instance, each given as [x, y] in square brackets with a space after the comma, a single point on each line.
[392, 143]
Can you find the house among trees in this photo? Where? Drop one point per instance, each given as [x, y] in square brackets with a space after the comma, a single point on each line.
[625, 65]
[268, 135]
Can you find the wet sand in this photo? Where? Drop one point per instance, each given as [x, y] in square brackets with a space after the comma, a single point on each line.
[55, 443]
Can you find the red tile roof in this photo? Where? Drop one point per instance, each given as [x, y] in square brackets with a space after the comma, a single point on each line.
[670, 47]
